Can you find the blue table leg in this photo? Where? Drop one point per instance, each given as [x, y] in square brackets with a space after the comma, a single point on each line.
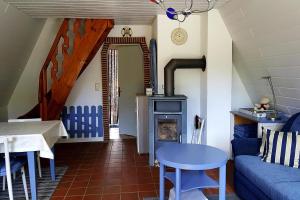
[178, 184]
[32, 174]
[222, 182]
[161, 182]
[52, 166]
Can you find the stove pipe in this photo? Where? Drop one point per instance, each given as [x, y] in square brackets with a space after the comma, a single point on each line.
[174, 64]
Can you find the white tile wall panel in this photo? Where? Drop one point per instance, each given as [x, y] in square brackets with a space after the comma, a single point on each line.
[285, 72]
[266, 38]
[277, 49]
[285, 21]
[228, 10]
[293, 110]
[288, 101]
[251, 54]
[252, 12]
[284, 109]
[235, 17]
[241, 30]
[243, 34]
[123, 11]
[275, 61]
[277, 91]
[286, 82]
[257, 73]
[270, 37]
[289, 92]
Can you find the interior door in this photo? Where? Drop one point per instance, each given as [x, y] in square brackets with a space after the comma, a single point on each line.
[131, 83]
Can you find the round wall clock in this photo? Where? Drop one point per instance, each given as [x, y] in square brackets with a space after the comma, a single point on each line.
[179, 36]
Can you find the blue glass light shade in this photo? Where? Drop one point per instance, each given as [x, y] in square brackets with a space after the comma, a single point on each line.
[171, 13]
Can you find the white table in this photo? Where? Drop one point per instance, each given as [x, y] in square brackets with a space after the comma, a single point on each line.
[31, 137]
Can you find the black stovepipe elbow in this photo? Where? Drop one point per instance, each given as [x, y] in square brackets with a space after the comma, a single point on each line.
[174, 64]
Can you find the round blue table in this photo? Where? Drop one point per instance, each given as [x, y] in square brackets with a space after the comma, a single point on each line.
[193, 159]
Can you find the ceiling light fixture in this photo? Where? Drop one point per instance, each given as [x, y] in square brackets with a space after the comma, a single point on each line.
[176, 14]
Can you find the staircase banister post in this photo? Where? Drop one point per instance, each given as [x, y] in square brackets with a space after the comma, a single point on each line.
[43, 74]
[43, 94]
[85, 47]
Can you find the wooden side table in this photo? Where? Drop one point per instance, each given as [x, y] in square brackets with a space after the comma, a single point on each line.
[190, 161]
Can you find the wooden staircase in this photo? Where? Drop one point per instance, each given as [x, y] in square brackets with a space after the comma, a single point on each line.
[75, 45]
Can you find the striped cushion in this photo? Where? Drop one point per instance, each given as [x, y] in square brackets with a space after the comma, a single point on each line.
[263, 147]
[283, 148]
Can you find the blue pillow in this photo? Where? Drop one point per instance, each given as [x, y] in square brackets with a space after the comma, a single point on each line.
[293, 123]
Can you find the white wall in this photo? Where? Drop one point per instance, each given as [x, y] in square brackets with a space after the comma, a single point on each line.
[137, 31]
[239, 95]
[209, 93]
[3, 114]
[187, 81]
[87, 90]
[18, 35]
[25, 94]
[219, 82]
[267, 44]
[85, 85]
[154, 28]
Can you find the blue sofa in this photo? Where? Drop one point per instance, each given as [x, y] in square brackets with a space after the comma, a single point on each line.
[258, 180]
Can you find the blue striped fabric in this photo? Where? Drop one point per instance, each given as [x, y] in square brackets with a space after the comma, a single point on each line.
[283, 148]
[263, 147]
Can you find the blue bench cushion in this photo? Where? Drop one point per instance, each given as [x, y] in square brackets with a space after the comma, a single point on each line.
[293, 123]
[276, 181]
[245, 131]
[245, 146]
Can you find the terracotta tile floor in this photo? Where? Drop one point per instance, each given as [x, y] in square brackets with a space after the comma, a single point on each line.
[110, 171]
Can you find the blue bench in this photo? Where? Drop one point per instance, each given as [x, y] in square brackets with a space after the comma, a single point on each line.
[258, 180]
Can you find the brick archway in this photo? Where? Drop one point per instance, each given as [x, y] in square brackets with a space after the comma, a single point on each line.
[104, 67]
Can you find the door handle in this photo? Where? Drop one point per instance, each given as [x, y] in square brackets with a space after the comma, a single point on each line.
[119, 91]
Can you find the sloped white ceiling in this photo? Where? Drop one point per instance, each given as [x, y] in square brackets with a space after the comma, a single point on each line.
[18, 35]
[122, 11]
[266, 41]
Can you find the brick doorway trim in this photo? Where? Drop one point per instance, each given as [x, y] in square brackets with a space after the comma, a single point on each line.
[104, 69]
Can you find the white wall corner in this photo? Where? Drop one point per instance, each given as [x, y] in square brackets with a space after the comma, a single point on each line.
[25, 95]
[3, 114]
[219, 82]
[85, 84]
[240, 97]
[203, 88]
[187, 81]
[154, 28]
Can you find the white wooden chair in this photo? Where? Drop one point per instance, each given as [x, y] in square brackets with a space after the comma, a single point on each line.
[7, 167]
[38, 160]
[197, 133]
